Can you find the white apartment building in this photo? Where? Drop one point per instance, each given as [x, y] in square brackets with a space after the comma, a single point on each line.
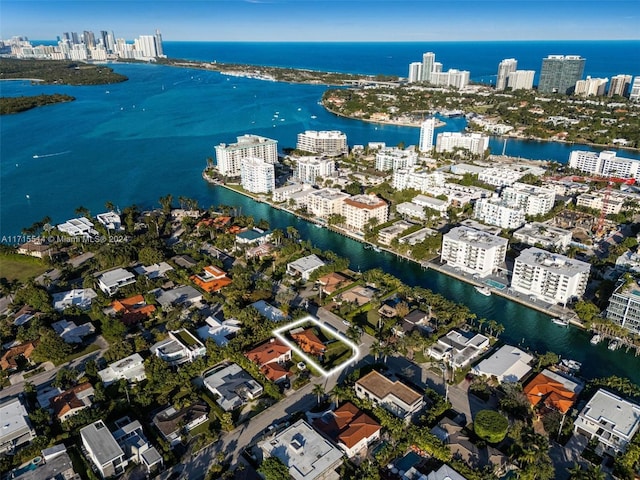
[500, 176]
[410, 209]
[229, 157]
[605, 163]
[624, 307]
[394, 158]
[551, 277]
[310, 168]
[415, 72]
[387, 234]
[283, 194]
[521, 79]
[619, 85]
[451, 78]
[473, 251]
[359, 209]
[505, 67]
[435, 204]
[427, 130]
[596, 201]
[530, 198]
[325, 202]
[428, 66]
[591, 87]
[257, 176]
[495, 211]
[547, 236]
[416, 178]
[634, 93]
[327, 142]
[459, 195]
[610, 419]
[474, 142]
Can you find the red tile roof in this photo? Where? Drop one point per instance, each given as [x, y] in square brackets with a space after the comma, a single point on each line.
[554, 393]
[309, 342]
[9, 359]
[267, 352]
[134, 309]
[68, 400]
[347, 425]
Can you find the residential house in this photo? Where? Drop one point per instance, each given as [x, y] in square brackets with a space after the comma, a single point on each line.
[172, 423]
[102, 449]
[259, 251]
[304, 267]
[553, 390]
[72, 333]
[9, 361]
[130, 368]
[184, 261]
[232, 386]
[306, 454]
[269, 312]
[135, 445]
[184, 296]
[255, 236]
[349, 428]
[219, 331]
[181, 347]
[78, 297]
[110, 220]
[78, 227]
[271, 357]
[332, 282]
[393, 396]
[110, 282]
[509, 364]
[308, 341]
[157, 270]
[57, 465]
[212, 279]
[359, 295]
[36, 248]
[23, 315]
[72, 401]
[132, 309]
[458, 349]
[16, 428]
[414, 319]
[609, 419]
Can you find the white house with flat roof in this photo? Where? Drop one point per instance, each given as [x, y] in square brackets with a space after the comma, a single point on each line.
[232, 386]
[157, 270]
[109, 282]
[304, 266]
[78, 227]
[103, 450]
[473, 251]
[181, 347]
[78, 297]
[110, 220]
[219, 331]
[458, 349]
[130, 368]
[306, 453]
[610, 419]
[15, 429]
[269, 312]
[509, 364]
[548, 236]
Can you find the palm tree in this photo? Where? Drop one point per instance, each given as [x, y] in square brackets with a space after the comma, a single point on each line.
[109, 206]
[338, 394]
[376, 350]
[318, 390]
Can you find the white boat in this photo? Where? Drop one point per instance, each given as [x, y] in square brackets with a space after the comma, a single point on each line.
[317, 225]
[313, 116]
[596, 339]
[571, 364]
[613, 345]
[483, 290]
[376, 248]
[560, 321]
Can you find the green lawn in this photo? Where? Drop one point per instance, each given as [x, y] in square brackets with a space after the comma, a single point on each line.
[21, 267]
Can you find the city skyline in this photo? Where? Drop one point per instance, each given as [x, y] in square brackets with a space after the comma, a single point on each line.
[327, 20]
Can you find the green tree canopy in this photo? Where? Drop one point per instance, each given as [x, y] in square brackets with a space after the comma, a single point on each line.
[490, 426]
[273, 469]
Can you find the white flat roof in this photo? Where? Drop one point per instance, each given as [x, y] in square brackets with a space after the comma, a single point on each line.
[509, 364]
[622, 413]
[13, 419]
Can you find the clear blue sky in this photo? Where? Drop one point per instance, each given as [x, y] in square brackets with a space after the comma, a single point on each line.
[327, 20]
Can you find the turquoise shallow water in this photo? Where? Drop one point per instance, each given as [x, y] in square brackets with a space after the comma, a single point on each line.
[139, 140]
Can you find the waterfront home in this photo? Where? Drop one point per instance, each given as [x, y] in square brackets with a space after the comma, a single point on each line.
[36, 248]
[212, 279]
[179, 348]
[78, 297]
[78, 227]
[23, 315]
[172, 423]
[349, 428]
[393, 396]
[219, 331]
[359, 295]
[110, 220]
[304, 267]
[609, 419]
[414, 319]
[271, 357]
[458, 349]
[231, 386]
[508, 365]
[255, 236]
[130, 368]
[260, 251]
[132, 309]
[555, 391]
[72, 333]
[10, 359]
[332, 282]
[110, 282]
[71, 401]
[16, 428]
[306, 454]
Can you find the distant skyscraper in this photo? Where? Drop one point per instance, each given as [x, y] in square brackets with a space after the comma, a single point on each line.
[74, 38]
[89, 39]
[505, 67]
[635, 89]
[159, 49]
[415, 72]
[521, 80]
[428, 60]
[426, 134]
[147, 45]
[619, 85]
[560, 73]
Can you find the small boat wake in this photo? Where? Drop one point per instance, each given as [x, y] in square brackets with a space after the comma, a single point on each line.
[52, 154]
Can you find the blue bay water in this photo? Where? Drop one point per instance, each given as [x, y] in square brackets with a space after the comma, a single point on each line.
[139, 140]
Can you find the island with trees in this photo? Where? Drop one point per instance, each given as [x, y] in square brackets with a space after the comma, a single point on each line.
[58, 72]
[21, 104]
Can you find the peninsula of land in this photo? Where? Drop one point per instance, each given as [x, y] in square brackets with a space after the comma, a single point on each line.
[61, 72]
[22, 104]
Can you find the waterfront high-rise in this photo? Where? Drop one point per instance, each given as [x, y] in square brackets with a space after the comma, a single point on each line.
[428, 60]
[474, 142]
[325, 142]
[228, 157]
[520, 79]
[559, 73]
[619, 85]
[426, 135]
[634, 94]
[472, 251]
[505, 67]
[158, 39]
[591, 87]
[256, 175]
[415, 72]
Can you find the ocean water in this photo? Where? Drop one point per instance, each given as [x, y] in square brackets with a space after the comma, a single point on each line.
[137, 141]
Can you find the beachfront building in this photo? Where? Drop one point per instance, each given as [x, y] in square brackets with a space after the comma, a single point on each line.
[111, 281]
[393, 396]
[451, 78]
[181, 347]
[591, 87]
[473, 251]
[521, 80]
[495, 211]
[605, 163]
[624, 306]
[331, 143]
[559, 73]
[475, 143]
[229, 157]
[415, 72]
[549, 277]
[609, 419]
[359, 210]
[427, 132]
[505, 67]
[417, 178]
[257, 176]
[16, 428]
[545, 235]
[619, 85]
[306, 453]
[78, 227]
[308, 169]
[394, 158]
